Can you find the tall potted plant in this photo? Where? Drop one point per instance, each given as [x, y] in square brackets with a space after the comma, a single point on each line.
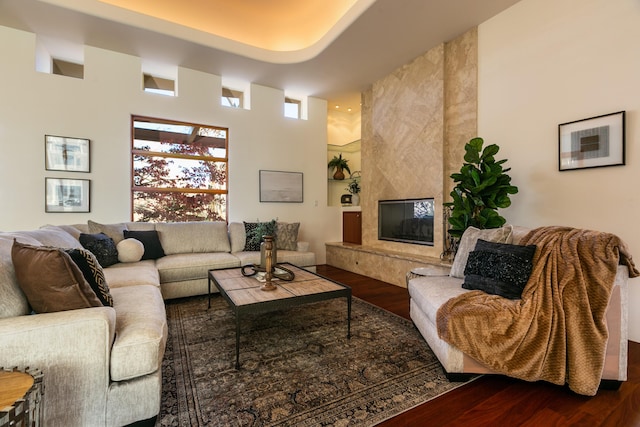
[339, 164]
[482, 188]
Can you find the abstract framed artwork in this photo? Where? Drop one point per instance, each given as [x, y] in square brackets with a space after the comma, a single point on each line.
[66, 154]
[67, 195]
[283, 187]
[591, 143]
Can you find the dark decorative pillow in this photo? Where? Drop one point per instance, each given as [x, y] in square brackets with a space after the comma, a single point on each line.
[151, 241]
[255, 231]
[50, 279]
[102, 246]
[499, 268]
[93, 274]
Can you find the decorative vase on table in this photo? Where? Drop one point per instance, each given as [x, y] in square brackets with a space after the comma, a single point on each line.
[355, 199]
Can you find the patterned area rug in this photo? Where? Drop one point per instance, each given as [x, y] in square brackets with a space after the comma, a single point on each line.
[297, 366]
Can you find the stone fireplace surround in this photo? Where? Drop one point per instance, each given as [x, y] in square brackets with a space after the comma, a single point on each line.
[415, 123]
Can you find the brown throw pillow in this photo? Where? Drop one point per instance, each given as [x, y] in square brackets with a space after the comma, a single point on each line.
[50, 279]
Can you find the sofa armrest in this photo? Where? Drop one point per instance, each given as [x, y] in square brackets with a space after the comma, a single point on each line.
[72, 349]
[302, 246]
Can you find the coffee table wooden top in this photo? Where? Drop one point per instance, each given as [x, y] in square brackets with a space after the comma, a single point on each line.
[13, 386]
[243, 290]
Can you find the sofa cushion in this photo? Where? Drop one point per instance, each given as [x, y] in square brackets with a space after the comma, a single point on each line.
[115, 231]
[130, 250]
[150, 242]
[499, 268]
[254, 232]
[237, 236]
[180, 267]
[92, 272]
[287, 235]
[102, 246]
[194, 237]
[52, 235]
[431, 292]
[248, 257]
[301, 259]
[50, 279]
[140, 226]
[70, 229]
[468, 243]
[13, 302]
[141, 332]
[132, 273]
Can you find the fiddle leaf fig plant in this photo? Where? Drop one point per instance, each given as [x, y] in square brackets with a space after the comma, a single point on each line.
[482, 188]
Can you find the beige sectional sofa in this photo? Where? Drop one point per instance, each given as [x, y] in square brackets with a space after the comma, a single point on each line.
[430, 289]
[102, 365]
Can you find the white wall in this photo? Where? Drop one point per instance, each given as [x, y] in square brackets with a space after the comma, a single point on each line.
[546, 62]
[99, 107]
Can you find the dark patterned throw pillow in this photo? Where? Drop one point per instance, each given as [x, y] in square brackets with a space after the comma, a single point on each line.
[499, 268]
[102, 246]
[93, 274]
[255, 231]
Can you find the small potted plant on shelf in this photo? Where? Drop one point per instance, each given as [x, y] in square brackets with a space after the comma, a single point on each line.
[340, 165]
[354, 188]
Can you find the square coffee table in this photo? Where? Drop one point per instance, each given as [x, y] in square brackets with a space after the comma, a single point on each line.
[244, 296]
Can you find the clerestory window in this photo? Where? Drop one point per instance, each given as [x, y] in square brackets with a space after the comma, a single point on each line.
[179, 171]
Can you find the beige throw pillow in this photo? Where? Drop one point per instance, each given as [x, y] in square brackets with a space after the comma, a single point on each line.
[468, 244]
[130, 250]
[287, 235]
[115, 231]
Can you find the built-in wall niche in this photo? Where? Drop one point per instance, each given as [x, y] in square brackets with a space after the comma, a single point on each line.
[336, 188]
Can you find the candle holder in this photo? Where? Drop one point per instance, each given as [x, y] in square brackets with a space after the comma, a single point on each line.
[268, 258]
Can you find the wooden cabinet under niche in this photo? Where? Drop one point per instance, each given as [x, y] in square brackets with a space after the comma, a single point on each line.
[352, 227]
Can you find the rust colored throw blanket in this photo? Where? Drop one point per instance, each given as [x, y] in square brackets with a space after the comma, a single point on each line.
[557, 331]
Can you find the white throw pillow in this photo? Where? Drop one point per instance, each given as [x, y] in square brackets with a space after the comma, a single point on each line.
[468, 243]
[130, 250]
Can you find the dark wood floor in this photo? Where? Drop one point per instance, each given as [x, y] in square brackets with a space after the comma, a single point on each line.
[501, 401]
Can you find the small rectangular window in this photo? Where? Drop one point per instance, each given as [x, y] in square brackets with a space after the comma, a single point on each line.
[232, 98]
[292, 108]
[159, 85]
[66, 68]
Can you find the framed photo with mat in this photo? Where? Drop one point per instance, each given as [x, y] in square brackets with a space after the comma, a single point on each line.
[591, 143]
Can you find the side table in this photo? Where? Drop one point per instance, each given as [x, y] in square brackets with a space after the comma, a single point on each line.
[426, 271]
[21, 398]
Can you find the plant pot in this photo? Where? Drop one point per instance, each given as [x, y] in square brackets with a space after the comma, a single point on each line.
[339, 175]
[355, 199]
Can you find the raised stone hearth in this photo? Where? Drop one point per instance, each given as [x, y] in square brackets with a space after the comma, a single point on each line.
[381, 264]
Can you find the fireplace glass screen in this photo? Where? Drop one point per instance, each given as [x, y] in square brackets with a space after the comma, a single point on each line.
[408, 220]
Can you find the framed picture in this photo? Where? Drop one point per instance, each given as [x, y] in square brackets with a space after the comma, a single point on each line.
[276, 186]
[591, 143]
[66, 154]
[66, 195]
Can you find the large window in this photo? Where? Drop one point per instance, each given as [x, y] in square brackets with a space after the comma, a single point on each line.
[179, 171]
